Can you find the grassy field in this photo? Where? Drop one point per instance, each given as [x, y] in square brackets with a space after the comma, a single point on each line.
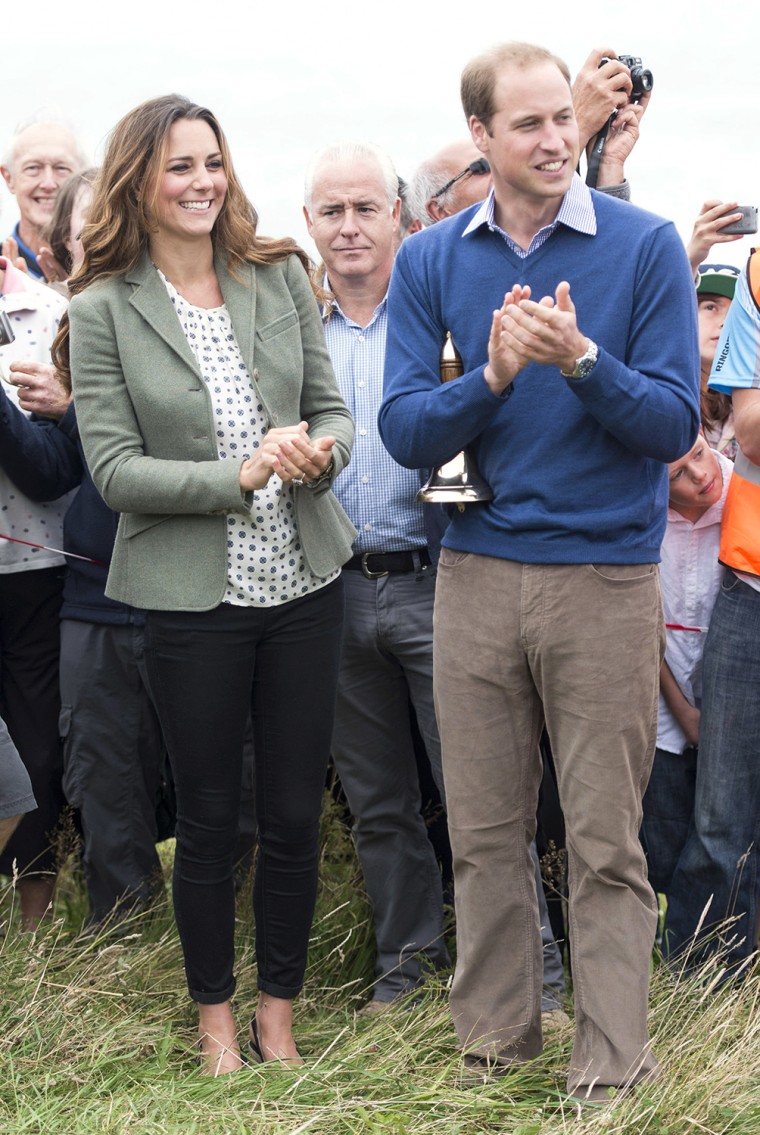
[98, 1035]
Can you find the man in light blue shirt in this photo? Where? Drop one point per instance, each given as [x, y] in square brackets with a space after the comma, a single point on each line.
[351, 211]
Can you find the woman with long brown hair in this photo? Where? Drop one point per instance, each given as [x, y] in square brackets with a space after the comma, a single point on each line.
[211, 420]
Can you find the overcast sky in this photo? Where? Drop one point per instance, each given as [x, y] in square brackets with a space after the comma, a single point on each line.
[285, 78]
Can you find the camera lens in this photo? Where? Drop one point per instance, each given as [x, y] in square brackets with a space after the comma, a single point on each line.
[643, 81]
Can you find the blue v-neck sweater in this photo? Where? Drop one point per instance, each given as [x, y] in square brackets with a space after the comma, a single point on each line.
[577, 467]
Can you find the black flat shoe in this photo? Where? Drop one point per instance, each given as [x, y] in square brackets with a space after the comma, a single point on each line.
[254, 1043]
[257, 1053]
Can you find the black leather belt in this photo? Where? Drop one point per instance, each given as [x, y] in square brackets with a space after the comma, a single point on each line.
[376, 564]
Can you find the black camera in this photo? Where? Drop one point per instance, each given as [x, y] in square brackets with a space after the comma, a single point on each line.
[642, 80]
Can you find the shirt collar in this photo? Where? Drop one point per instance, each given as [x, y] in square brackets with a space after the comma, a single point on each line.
[576, 211]
[30, 257]
[331, 306]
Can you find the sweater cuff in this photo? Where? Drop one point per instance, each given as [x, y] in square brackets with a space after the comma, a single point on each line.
[621, 191]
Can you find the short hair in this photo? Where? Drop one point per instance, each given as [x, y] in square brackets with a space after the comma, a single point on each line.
[406, 214]
[427, 179]
[348, 151]
[479, 76]
[43, 117]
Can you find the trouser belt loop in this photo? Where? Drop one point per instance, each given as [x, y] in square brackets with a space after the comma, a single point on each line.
[419, 567]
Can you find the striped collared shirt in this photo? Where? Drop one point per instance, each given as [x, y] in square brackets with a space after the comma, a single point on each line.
[576, 211]
[376, 492]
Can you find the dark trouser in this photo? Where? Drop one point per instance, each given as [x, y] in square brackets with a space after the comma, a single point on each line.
[387, 658]
[30, 603]
[208, 671]
[668, 814]
[718, 871]
[112, 754]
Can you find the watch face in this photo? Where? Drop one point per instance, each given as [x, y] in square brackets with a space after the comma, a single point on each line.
[586, 363]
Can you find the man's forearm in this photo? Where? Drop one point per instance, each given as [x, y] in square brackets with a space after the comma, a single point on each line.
[747, 422]
[38, 457]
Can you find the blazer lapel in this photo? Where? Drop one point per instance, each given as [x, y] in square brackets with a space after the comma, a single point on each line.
[240, 298]
[150, 298]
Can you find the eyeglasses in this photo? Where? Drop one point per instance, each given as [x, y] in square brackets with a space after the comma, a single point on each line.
[473, 169]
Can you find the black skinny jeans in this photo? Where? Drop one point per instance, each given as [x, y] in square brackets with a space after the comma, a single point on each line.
[207, 671]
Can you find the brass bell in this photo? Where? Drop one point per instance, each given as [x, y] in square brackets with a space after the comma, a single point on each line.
[457, 481]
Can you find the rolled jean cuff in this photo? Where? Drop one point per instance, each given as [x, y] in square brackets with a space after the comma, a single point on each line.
[206, 998]
[286, 992]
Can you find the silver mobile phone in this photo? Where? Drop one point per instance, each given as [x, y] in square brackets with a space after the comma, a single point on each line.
[745, 226]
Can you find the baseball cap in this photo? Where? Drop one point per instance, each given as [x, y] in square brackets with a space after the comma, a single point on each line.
[717, 280]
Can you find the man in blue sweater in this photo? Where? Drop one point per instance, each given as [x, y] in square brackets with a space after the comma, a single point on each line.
[574, 316]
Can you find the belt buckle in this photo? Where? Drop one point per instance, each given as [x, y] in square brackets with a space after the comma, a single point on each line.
[367, 573]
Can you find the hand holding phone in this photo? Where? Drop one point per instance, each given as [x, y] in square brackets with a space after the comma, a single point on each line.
[743, 227]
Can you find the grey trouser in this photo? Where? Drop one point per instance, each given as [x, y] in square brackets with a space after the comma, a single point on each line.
[16, 795]
[112, 760]
[553, 992]
[387, 658]
[578, 646]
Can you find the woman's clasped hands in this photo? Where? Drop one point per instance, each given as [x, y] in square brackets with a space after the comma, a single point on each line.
[288, 452]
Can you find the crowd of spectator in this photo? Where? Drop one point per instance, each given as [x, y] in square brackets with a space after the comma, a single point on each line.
[202, 599]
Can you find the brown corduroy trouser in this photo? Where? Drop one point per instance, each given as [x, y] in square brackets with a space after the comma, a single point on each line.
[580, 646]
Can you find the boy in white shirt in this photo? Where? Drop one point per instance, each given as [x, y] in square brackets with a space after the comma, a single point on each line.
[690, 576]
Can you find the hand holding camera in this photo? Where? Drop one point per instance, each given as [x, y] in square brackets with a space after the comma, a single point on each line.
[602, 86]
[642, 80]
[628, 86]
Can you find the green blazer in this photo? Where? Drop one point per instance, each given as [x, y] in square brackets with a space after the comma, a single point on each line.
[146, 423]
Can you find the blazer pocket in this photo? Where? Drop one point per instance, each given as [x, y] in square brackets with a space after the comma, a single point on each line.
[277, 326]
[133, 523]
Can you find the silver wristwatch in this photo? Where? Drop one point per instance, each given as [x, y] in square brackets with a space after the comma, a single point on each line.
[585, 364]
[318, 480]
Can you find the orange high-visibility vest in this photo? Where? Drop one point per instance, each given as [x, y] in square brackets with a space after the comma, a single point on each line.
[740, 528]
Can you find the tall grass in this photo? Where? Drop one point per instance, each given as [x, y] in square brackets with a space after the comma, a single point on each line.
[97, 1038]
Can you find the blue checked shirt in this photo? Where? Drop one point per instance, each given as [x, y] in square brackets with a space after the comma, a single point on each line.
[376, 492]
[576, 211]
